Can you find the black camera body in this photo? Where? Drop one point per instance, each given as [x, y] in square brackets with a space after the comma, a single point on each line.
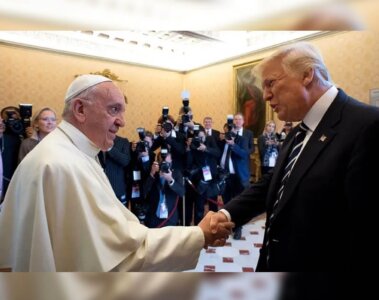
[142, 145]
[17, 125]
[196, 141]
[167, 126]
[186, 119]
[13, 125]
[165, 111]
[186, 109]
[230, 134]
[164, 167]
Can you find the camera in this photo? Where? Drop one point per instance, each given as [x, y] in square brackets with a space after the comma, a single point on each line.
[17, 120]
[164, 166]
[196, 141]
[230, 134]
[186, 109]
[164, 121]
[142, 145]
[165, 113]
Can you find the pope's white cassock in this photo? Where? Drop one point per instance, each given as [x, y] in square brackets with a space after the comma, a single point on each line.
[61, 214]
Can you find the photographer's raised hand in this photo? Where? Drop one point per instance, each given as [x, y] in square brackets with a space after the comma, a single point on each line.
[219, 234]
[167, 176]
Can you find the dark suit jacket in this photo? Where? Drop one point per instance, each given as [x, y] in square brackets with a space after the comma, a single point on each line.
[116, 160]
[215, 134]
[324, 220]
[196, 159]
[152, 187]
[9, 154]
[240, 155]
[177, 148]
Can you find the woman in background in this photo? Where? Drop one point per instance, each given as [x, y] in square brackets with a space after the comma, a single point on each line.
[44, 122]
[268, 146]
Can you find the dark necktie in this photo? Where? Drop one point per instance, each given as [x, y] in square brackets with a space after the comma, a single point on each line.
[290, 162]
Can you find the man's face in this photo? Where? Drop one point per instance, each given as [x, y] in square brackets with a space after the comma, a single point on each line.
[104, 115]
[285, 92]
[207, 123]
[238, 121]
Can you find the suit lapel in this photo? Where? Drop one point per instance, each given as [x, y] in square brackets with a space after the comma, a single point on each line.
[320, 139]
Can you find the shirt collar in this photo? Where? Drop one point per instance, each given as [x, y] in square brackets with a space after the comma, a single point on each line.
[318, 110]
[79, 139]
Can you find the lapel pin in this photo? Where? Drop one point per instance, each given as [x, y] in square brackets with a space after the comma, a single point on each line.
[323, 138]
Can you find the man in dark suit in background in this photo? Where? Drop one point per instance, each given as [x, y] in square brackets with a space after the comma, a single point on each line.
[209, 131]
[236, 160]
[114, 162]
[320, 205]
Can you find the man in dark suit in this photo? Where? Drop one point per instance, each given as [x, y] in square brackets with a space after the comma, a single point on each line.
[209, 131]
[114, 162]
[320, 212]
[237, 163]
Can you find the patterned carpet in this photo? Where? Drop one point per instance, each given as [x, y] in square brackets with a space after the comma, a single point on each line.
[237, 255]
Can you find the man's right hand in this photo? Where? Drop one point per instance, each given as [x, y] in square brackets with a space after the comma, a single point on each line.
[216, 229]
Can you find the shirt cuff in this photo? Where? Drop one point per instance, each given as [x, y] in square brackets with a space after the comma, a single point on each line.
[226, 213]
[172, 182]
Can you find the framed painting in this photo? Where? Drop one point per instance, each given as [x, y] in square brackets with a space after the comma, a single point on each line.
[249, 98]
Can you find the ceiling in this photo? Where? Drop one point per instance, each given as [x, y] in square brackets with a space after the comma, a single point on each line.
[156, 33]
[180, 51]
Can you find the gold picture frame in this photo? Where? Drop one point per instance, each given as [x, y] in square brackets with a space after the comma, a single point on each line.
[248, 98]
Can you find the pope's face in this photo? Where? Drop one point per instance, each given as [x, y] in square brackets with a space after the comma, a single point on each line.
[104, 115]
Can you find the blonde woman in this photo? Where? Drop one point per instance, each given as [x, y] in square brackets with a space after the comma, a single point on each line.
[268, 146]
[44, 122]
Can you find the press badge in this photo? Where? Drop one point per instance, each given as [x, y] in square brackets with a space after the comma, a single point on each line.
[163, 211]
[136, 175]
[272, 160]
[135, 191]
[207, 173]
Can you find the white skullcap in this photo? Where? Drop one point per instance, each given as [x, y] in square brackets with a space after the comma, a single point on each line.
[83, 82]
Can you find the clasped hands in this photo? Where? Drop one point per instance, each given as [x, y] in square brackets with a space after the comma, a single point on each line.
[216, 228]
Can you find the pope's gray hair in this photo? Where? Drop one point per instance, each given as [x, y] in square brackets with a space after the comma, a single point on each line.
[87, 94]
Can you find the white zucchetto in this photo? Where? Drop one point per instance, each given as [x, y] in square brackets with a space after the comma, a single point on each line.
[83, 82]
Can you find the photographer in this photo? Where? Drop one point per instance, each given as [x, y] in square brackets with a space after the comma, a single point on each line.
[202, 156]
[114, 162]
[237, 147]
[141, 162]
[162, 190]
[166, 137]
[44, 122]
[10, 141]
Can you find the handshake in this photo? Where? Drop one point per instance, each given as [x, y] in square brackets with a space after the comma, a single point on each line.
[216, 228]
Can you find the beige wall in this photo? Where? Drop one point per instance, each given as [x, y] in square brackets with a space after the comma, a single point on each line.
[41, 78]
[352, 59]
